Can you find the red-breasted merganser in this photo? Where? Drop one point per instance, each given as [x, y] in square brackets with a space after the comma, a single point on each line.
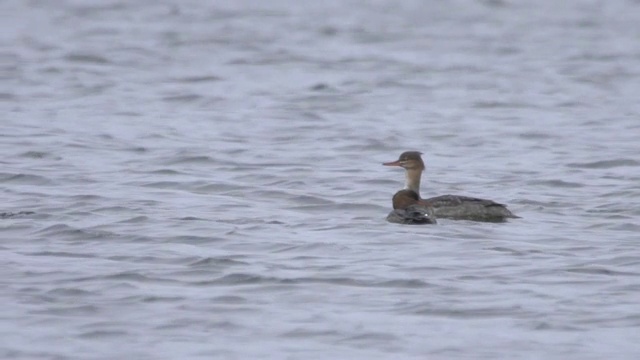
[448, 206]
[409, 209]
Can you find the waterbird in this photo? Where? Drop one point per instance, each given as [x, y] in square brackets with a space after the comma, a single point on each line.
[409, 209]
[454, 207]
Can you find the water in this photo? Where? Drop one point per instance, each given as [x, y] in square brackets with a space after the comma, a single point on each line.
[183, 180]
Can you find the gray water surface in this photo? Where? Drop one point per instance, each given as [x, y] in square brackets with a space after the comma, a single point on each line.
[203, 180]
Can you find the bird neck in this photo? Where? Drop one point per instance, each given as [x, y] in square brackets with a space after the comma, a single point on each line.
[413, 180]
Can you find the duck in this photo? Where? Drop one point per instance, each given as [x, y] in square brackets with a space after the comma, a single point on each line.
[409, 209]
[455, 207]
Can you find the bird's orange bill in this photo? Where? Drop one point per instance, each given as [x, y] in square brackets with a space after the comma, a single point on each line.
[392, 163]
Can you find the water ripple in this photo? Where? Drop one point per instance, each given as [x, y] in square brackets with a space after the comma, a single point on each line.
[205, 177]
